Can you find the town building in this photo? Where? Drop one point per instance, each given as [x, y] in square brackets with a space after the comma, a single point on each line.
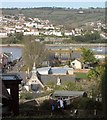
[76, 64]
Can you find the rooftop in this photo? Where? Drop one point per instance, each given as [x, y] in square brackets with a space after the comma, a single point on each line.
[10, 76]
[65, 93]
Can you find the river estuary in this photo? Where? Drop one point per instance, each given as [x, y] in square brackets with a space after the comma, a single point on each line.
[17, 51]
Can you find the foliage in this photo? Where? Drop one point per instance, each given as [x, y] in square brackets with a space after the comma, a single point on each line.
[56, 62]
[70, 86]
[29, 96]
[104, 92]
[33, 52]
[92, 36]
[26, 95]
[96, 75]
[13, 38]
[87, 56]
[51, 84]
[19, 36]
[45, 105]
[22, 95]
[80, 75]
[87, 103]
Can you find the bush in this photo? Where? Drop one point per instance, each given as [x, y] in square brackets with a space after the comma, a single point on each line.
[22, 95]
[29, 96]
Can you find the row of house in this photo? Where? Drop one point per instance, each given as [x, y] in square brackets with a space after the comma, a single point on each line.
[42, 76]
[36, 26]
[39, 78]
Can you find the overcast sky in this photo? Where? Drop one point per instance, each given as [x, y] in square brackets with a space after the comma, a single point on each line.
[53, 0]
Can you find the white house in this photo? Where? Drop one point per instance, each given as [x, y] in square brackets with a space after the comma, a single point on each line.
[76, 64]
[99, 56]
[20, 30]
[31, 33]
[2, 35]
[57, 33]
[68, 33]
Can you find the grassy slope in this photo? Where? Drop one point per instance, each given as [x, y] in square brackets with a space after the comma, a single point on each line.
[69, 17]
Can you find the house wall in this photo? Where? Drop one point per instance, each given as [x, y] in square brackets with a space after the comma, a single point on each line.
[76, 64]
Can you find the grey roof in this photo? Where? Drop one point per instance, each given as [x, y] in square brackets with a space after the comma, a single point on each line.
[68, 93]
[43, 70]
[10, 76]
[58, 70]
[53, 70]
[46, 78]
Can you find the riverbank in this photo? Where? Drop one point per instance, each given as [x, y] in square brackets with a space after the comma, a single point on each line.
[61, 45]
[11, 45]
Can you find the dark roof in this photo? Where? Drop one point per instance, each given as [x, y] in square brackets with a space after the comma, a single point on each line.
[58, 70]
[8, 54]
[47, 78]
[10, 76]
[65, 93]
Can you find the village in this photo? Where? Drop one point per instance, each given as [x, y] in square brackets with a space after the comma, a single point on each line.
[47, 73]
[68, 79]
[35, 26]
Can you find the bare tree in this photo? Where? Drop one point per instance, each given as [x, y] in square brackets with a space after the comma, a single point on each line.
[33, 52]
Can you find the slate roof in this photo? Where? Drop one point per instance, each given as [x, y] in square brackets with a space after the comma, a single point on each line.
[68, 93]
[46, 78]
[10, 76]
[58, 70]
[43, 70]
[54, 70]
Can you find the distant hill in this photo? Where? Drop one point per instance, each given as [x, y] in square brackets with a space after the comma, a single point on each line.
[61, 16]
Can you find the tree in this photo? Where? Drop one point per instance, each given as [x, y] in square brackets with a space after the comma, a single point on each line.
[87, 56]
[33, 52]
[95, 75]
[51, 84]
[19, 36]
[104, 92]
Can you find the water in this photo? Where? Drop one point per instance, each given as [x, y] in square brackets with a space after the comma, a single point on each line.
[17, 51]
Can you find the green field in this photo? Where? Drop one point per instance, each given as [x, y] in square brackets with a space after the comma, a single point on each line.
[81, 75]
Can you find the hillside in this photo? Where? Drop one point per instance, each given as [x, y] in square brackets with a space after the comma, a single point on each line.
[60, 16]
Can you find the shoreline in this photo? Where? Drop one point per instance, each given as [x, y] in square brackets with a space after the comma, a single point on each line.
[74, 45]
[11, 45]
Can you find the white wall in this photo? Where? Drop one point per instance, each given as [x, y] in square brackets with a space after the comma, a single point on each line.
[76, 64]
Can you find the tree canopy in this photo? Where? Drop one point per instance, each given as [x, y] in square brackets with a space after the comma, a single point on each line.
[96, 77]
[87, 56]
[33, 52]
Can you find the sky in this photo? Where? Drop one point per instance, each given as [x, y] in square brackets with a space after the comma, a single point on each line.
[52, 3]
